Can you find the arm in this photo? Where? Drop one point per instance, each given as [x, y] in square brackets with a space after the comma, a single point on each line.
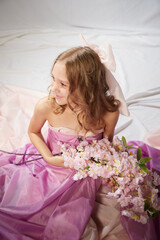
[110, 119]
[38, 119]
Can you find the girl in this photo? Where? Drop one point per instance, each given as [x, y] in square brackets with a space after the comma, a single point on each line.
[78, 100]
[48, 204]
[40, 199]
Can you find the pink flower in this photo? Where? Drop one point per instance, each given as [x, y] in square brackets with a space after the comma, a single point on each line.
[138, 204]
[79, 175]
[111, 160]
[156, 179]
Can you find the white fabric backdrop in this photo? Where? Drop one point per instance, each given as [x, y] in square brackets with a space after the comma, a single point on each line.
[124, 15]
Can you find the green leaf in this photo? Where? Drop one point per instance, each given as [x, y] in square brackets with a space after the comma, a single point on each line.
[143, 167]
[151, 209]
[134, 147]
[79, 139]
[139, 153]
[145, 160]
[87, 167]
[124, 141]
[129, 146]
[149, 215]
[146, 205]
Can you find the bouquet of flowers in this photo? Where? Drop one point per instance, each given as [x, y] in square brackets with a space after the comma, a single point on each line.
[135, 187]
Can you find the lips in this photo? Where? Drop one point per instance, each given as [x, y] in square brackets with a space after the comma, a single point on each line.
[58, 97]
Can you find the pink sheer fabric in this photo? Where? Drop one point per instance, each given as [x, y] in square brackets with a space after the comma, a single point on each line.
[152, 138]
[44, 201]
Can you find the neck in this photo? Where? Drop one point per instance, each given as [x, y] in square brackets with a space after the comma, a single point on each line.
[73, 110]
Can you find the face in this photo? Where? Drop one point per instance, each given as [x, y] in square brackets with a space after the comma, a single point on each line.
[60, 83]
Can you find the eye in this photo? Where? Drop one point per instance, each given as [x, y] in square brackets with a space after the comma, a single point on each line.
[63, 85]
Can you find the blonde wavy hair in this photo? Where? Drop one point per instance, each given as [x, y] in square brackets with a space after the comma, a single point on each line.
[88, 87]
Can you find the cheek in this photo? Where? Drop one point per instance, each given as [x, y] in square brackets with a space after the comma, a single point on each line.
[65, 92]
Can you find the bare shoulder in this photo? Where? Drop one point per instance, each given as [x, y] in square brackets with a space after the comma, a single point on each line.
[110, 120]
[43, 106]
[111, 117]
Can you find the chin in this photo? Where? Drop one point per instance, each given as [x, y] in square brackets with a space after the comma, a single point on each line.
[61, 102]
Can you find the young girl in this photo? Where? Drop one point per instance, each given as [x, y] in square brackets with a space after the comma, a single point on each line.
[40, 199]
[78, 101]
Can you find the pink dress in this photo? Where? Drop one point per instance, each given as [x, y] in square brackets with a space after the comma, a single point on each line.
[41, 201]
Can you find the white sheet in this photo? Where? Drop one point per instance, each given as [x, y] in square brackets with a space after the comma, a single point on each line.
[141, 16]
[27, 56]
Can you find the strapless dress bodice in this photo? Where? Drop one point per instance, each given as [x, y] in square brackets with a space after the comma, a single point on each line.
[67, 135]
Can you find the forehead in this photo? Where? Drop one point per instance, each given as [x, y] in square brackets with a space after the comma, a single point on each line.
[59, 71]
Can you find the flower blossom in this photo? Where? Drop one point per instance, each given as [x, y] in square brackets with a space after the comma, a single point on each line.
[136, 190]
